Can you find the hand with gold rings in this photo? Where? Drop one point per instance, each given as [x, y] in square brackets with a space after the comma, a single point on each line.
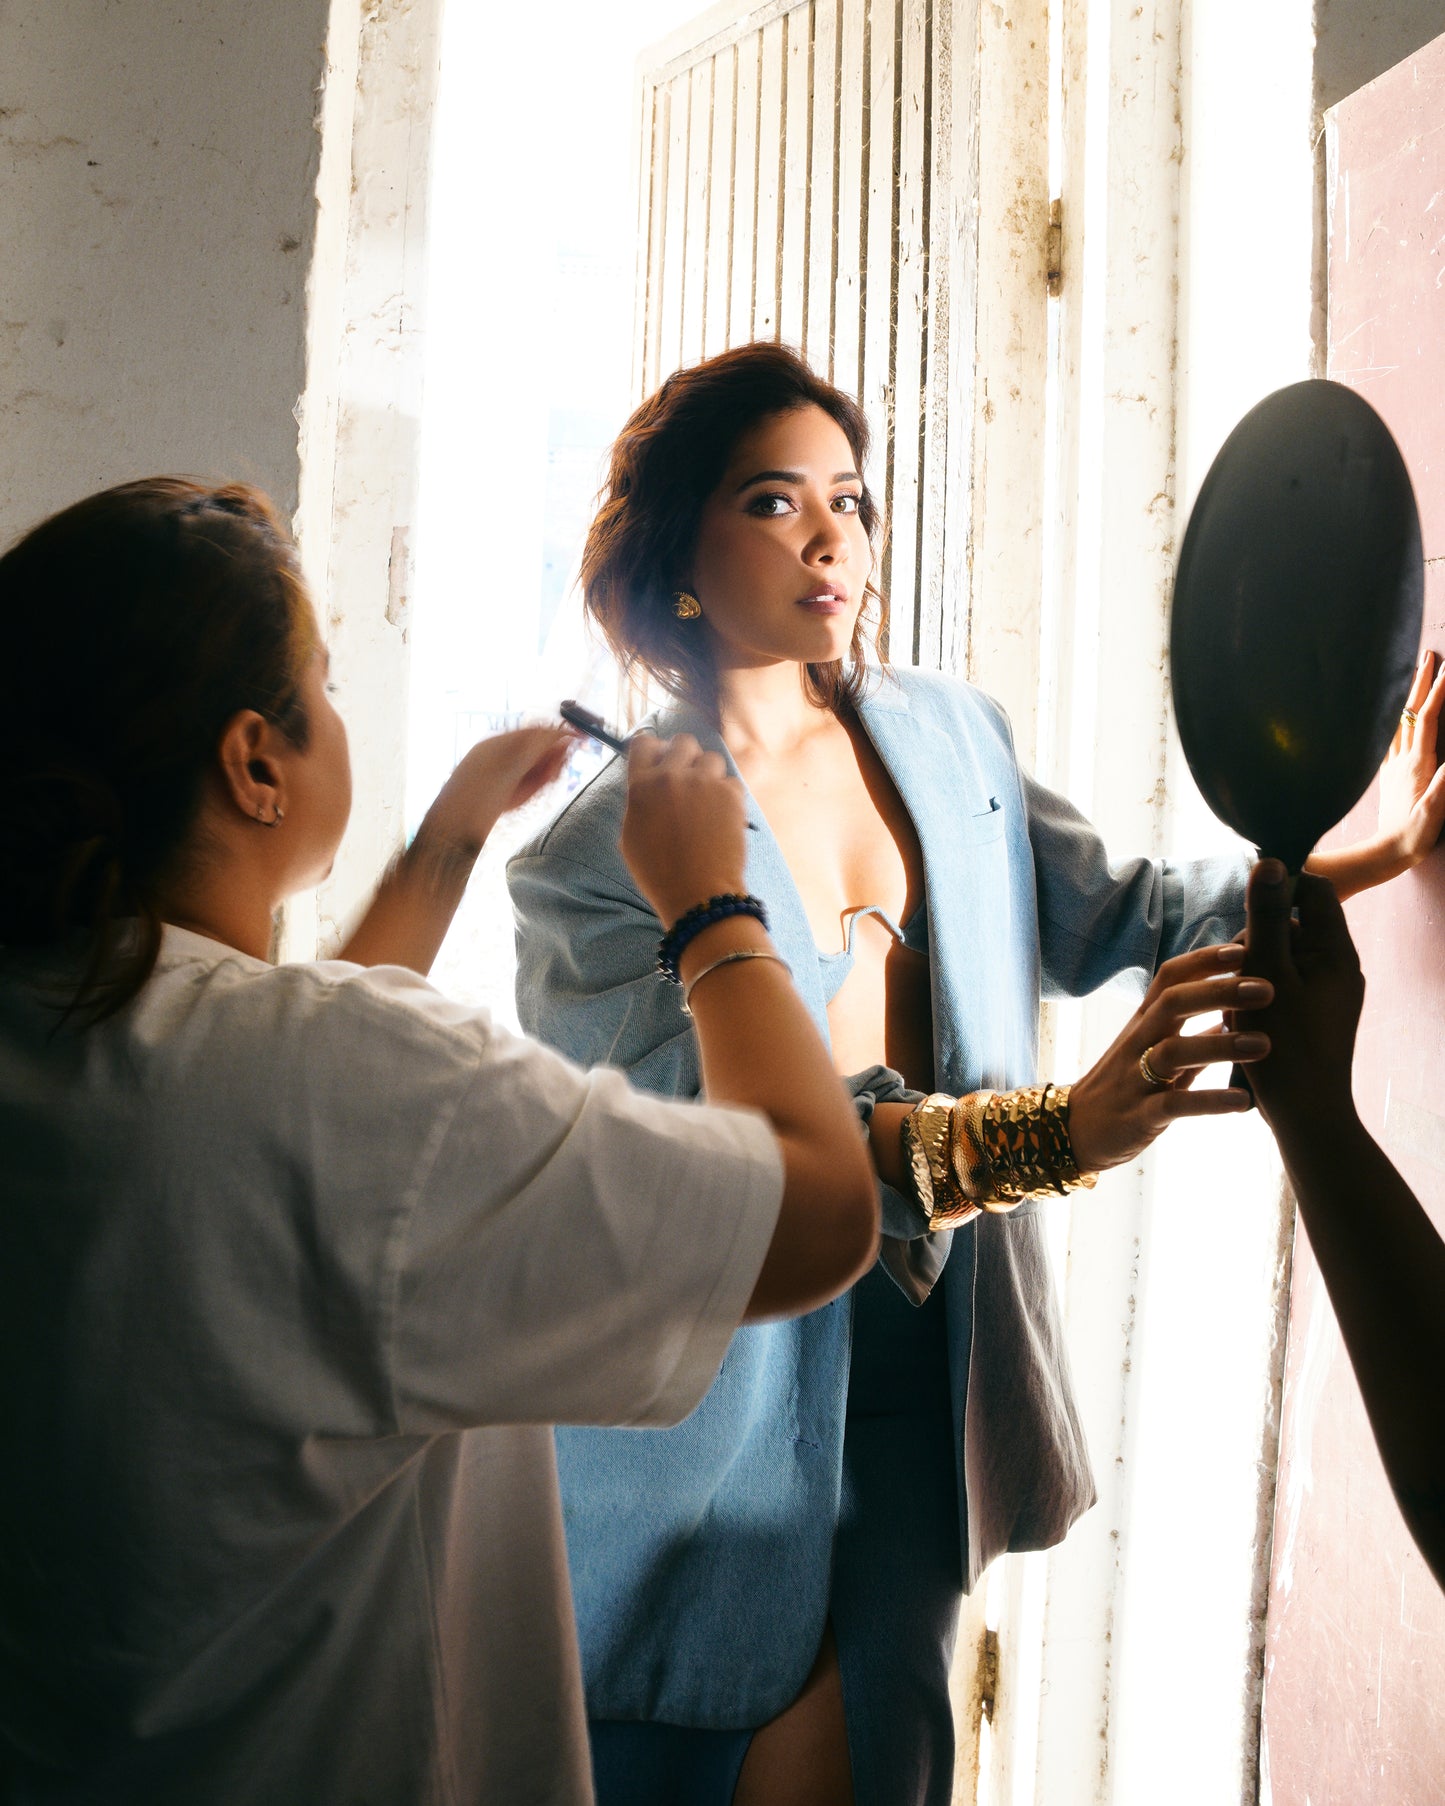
[1113, 1117]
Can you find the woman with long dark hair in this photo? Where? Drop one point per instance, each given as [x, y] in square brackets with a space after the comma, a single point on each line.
[297, 1263]
[767, 1595]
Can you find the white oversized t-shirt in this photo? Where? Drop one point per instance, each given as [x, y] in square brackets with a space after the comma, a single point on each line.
[296, 1265]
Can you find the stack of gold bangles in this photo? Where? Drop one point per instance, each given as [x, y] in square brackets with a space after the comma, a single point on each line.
[989, 1151]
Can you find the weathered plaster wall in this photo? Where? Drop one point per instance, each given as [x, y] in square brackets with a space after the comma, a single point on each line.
[157, 208]
[213, 218]
[1356, 40]
[363, 415]
[1183, 162]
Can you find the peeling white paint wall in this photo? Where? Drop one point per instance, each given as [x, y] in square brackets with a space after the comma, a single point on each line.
[1216, 1242]
[1187, 224]
[1102, 734]
[363, 399]
[158, 217]
[995, 644]
[193, 284]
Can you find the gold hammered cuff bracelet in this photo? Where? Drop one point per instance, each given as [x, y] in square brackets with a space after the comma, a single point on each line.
[989, 1151]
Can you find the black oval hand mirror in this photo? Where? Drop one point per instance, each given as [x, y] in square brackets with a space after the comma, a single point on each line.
[1297, 611]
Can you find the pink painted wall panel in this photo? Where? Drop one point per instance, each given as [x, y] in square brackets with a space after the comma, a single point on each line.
[1387, 263]
[1354, 1705]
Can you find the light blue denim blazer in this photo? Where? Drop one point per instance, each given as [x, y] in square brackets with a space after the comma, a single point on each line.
[701, 1555]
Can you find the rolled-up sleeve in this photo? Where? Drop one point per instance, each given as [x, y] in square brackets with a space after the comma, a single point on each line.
[575, 1252]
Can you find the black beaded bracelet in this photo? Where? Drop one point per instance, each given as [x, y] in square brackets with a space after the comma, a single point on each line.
[703, 915]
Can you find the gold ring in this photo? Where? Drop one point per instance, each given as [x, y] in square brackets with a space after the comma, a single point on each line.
[1154, 1080]
[1409, 717]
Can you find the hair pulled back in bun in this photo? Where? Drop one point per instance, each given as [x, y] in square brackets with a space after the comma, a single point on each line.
[135, 625]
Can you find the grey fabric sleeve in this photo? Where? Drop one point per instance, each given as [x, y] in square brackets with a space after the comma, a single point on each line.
[586, 975]
[1099, 921]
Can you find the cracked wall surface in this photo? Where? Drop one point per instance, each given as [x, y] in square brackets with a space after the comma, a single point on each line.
[158, 213]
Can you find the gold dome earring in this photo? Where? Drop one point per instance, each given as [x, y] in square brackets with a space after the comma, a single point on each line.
[686, 607]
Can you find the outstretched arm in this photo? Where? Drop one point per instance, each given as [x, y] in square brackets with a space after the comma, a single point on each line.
[407, 920]
[1115, 1109]
[1382, 1261]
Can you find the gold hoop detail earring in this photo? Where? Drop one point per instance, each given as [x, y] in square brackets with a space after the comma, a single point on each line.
[686, 607]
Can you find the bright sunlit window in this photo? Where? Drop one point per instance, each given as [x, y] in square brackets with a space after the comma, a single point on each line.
[528, 378]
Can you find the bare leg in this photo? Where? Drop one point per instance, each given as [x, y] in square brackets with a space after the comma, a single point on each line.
[801, 1757]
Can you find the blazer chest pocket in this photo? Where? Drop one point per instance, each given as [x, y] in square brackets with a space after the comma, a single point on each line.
[977, 827]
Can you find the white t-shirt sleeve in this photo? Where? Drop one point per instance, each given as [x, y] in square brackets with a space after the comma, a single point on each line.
[573, 1250]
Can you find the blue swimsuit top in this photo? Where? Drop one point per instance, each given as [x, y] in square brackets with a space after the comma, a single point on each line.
[835, 967]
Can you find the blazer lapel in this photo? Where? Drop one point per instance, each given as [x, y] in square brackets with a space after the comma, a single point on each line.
[960, 829]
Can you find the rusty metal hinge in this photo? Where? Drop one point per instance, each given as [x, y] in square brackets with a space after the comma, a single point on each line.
[1055, 249]
[988, 1673]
